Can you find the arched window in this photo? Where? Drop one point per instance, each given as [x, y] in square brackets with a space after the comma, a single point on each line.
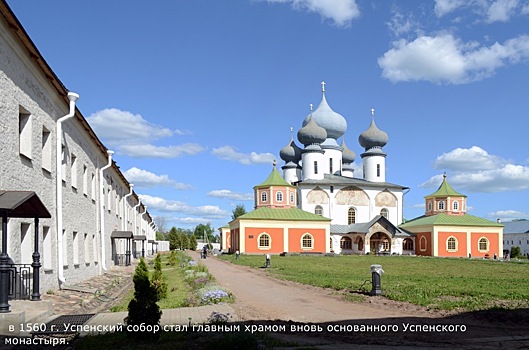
[384, 212]
[307, 242]
[407, 244]
[455, 205]
[264, 241]
[441, 205]
[318, 210]
[264, 197]
[330, 243]
[351, 216]
[483, 244]
[279, 196]
[422, 243]
[451, 244]
[429, 206]
[346, 243]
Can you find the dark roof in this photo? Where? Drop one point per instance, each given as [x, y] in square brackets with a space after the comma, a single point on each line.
[363, 227]
[140, 238]
[121, 234]
[348, 181]
[516, 227]
[22, 204]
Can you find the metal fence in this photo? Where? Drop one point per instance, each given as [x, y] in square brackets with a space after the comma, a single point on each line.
[20, 281]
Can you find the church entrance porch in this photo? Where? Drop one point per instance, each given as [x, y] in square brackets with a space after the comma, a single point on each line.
[380, 243]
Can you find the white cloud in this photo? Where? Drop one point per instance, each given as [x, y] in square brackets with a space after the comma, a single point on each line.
[231, 195]
[468, 159]
[490, 11]
[132, 135]
[341, 12]
[164, 205]
[443, 7]
[151, 151]
[230, 153]
[508, 215]
[445, 59]
[487, 173]
[401, 24]
[144, 178]
[501, 10]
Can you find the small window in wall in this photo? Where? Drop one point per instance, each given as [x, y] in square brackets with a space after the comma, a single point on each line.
[63, 162]
[422, 243]
[330, 244]
[318, 210]
[451, 244]
[483, 244]
[346, 243]
[24, 132]
[64, 248]
[264, 241]
[94, 248]
[429, 206]
[279, 196]
[455, 205]
[47, 263]
[441, 205]
[330, 166]
[292, 197]
[351, 216]
[85, 180]
[264, 197]
[332, 189]
[315, 167]
[307, 242]
[86, 246]
[46, 150]
[384, 212]
[26, 244]
[378, 170]
[74, 170]
[93, 185]
[75, 248]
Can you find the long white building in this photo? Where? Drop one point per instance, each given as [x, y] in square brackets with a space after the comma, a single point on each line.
[48, 147]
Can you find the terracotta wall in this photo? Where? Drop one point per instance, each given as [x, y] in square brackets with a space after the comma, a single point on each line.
[461, 246]
[428, 251]
[294, 240]
[494, 246]
[251, 237]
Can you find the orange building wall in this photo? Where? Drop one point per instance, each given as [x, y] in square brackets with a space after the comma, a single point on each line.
[494, 246]
[252, 244]
[428, 251]
[228, 241]
[294, 239]
[461, 244]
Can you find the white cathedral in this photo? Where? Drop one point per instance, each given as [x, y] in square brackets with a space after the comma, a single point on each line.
[365, 212]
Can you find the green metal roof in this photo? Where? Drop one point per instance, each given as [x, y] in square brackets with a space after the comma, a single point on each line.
[274, 179]
[449, 220]
[294, 214]
[445, 190]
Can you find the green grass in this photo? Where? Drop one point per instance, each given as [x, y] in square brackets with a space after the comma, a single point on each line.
[437, 283]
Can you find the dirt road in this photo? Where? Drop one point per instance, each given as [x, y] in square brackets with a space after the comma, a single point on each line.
[261, 298]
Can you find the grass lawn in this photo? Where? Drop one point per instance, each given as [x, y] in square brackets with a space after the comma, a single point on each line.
[437, 283]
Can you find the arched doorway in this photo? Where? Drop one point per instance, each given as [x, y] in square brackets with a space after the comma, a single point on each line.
[380, 243]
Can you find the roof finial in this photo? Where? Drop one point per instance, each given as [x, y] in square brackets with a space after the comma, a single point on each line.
[373, 112]
[444, 175]
[323, 86]
[274, 163]
[311, 107]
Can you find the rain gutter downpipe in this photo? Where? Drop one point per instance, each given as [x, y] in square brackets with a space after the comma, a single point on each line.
[102, 209]
[125, 214]
[72, 96]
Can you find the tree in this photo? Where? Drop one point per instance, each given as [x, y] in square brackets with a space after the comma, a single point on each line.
[143, 308]
[158, 280]
[161, 224]
[515, 252]
[201, 228]
[238, 211]
[174, 238]
[192, 242]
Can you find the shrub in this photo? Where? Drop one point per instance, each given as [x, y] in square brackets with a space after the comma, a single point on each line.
[143, 308]
[172, 258]
[515, 252]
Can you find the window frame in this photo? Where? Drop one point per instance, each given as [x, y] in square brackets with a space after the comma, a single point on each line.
[266, 237]
[451, 241]
[307, 237]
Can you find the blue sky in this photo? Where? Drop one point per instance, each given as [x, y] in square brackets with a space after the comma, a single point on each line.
[197, 97]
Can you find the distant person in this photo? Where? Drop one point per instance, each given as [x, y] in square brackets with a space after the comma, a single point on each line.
[204, 251]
